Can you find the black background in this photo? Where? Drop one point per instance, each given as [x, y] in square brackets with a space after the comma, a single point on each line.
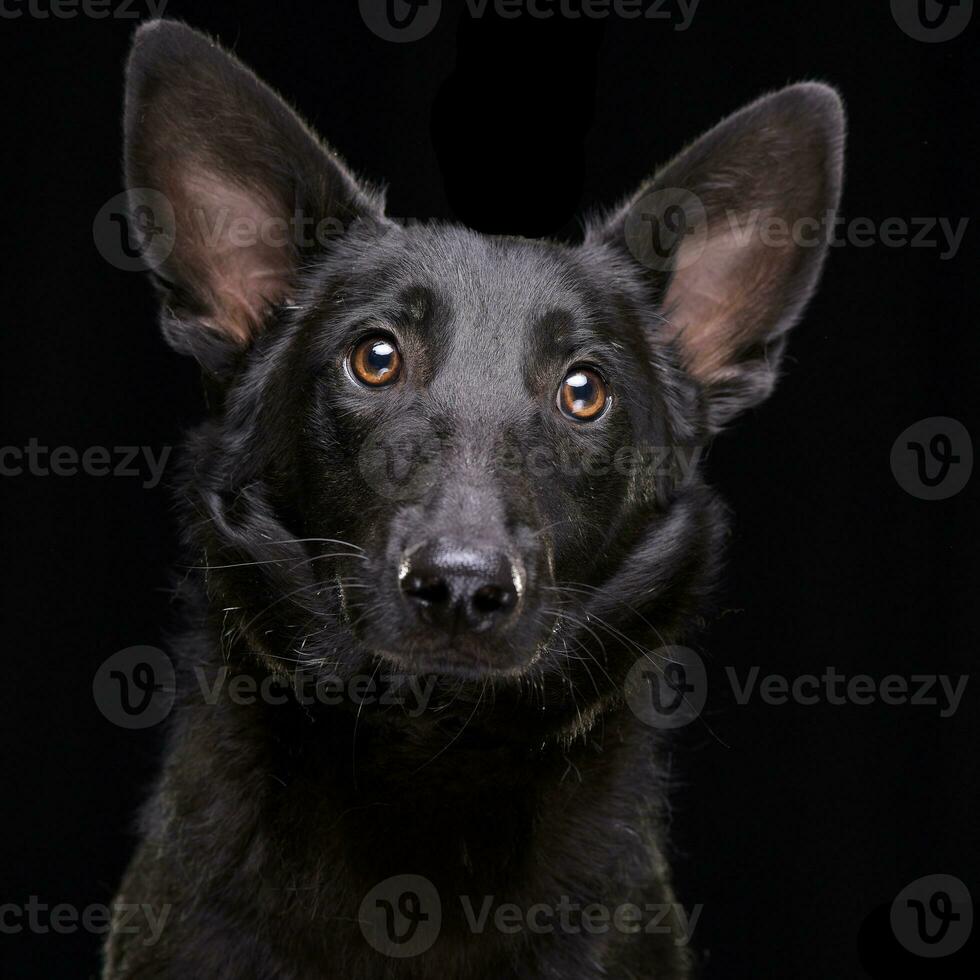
[795, 826]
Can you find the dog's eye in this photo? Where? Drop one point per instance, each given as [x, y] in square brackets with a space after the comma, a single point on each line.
[375, 362]
[583, 395]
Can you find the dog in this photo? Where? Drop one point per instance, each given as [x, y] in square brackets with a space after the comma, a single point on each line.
[422, 532]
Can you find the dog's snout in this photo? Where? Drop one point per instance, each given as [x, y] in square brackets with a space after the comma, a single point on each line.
[461, 588]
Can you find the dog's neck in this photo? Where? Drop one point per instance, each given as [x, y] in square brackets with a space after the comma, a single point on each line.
[462, 784]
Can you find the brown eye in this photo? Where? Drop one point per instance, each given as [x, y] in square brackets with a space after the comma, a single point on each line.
[583, 394]
[375, 362]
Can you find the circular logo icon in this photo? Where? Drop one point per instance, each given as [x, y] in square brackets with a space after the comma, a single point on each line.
[400, 465]
[136, 687]
[667, 229]
[668, 688]
[933, 916]
[933, 459]
[135, 230]
[400, 20]
[932, 21]
[401, 916]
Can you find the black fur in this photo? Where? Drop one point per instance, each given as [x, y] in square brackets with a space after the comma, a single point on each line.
[526, 777]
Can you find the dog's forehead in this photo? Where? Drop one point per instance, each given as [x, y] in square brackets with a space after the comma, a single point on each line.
[501, 296]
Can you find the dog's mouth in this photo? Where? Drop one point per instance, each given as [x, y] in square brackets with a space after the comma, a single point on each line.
[459, 661]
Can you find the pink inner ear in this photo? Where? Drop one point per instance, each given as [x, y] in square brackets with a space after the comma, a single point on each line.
[238, 249]
[722, 294]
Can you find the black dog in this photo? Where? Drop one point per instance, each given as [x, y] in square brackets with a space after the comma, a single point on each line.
[442, 482]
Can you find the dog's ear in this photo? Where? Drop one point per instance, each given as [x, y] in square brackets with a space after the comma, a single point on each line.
[239, 190]
[731, 236]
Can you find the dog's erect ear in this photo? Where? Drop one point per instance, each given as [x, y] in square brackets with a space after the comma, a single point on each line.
[239, 189]
[732, 235]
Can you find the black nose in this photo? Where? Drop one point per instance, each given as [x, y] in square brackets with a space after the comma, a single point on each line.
[460, 588]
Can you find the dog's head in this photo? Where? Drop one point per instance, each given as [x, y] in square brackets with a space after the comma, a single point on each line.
[465, 456]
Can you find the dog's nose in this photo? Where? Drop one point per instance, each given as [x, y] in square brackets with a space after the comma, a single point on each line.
[459, 588]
